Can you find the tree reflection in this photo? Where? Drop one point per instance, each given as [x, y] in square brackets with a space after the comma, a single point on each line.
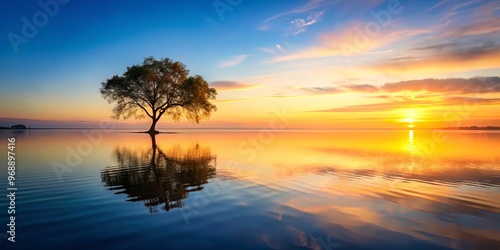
[159, 177]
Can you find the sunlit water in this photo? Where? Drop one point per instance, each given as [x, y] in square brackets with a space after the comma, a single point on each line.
[254, 190]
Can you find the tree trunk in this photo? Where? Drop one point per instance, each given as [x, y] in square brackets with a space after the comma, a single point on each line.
[152, 128]
[153, 147]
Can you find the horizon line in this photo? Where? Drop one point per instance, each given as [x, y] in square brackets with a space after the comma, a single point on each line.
[258, 128]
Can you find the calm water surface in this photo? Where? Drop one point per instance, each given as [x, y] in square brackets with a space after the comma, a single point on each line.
[254, 190]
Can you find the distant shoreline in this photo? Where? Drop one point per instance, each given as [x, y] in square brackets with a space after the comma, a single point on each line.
[473, 128]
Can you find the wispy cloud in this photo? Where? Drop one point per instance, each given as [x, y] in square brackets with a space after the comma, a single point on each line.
[438, 4]
[274, 50]
[432, 85]
[322, 90]
[233, 61]
[418, 103]
[484, 27]
[381, 52]
[452, 46]
[442, 59]
[259, 98]
[489, 10]
[231, 85]
[278, 46]
[241, 99]
[444, 92]
[264, 27]
[377, 107]
[482, 19]
[361, 88]
[299, 25]
[447, 85]
[311, 5]
[343, 41]
[296, 20]
[267, 50]
[395, 95]
[443, 86]
[436, 46]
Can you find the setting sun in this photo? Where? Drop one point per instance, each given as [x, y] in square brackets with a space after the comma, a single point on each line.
[410, 117]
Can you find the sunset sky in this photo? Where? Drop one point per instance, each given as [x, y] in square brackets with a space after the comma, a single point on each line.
[326, 64]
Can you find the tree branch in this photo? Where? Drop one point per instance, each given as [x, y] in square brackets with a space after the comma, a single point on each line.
[145, 110]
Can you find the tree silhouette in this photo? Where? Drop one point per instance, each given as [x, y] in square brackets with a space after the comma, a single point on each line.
[156, 177]
[158, 87]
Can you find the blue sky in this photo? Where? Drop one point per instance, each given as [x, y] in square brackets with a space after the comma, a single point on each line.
[258, 50]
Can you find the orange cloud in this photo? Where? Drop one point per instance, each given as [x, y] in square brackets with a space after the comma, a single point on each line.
[449, 85]
[377, 107]
[231, 85]
[451, 62]
[354, 39]
[415, 94]
[485, 27]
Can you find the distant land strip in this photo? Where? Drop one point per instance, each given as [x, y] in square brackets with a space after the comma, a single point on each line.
[473, 128]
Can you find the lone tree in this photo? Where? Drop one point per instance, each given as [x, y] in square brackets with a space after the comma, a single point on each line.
[158, 87]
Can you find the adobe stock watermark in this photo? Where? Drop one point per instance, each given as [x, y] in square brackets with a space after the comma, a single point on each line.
[372, 29]
[31, 26]
[249, 148]
[255, 144]
[426, 147]
[456, 115]
[224, 6]
[74, 155]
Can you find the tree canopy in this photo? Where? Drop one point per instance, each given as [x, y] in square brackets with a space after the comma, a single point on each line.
[158, 87]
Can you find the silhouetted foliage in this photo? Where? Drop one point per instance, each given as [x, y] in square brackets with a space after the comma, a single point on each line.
[18, 126]
[158, 87]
